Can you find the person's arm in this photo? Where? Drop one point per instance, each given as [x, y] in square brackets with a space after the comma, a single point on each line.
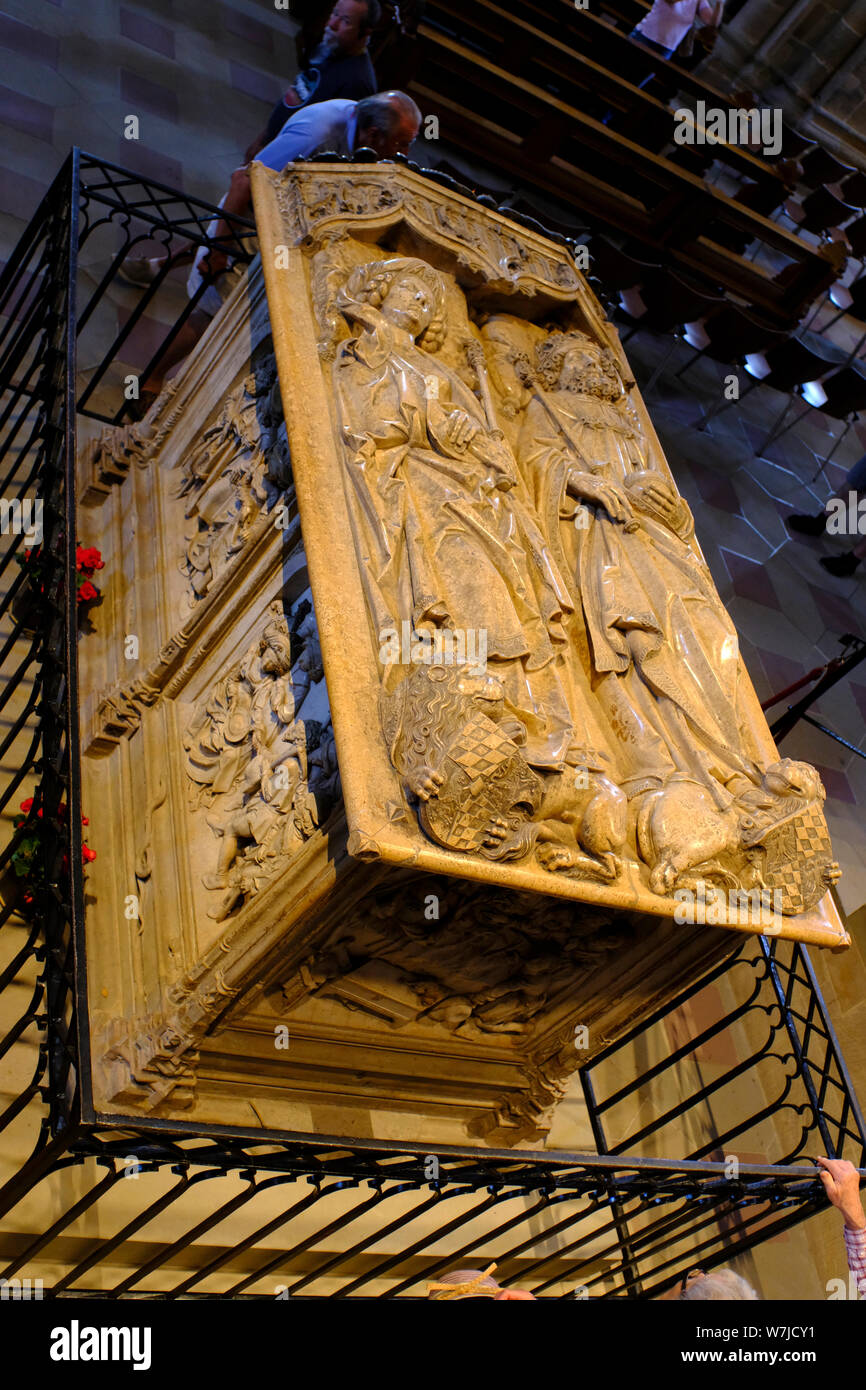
[842, 1184]
[299, 137]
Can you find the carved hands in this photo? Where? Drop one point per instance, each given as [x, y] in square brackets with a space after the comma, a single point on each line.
[604, 494]
[457, 434]
[457, 429]
[651, 493]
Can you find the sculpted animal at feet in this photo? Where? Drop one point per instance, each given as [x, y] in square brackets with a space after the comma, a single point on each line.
[580, 827]
[681, 830]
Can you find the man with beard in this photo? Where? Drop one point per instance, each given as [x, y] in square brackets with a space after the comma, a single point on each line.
[662, 652]
[340, 69]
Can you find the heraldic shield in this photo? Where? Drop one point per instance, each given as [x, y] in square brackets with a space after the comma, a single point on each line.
[486, 779]
[795, 857]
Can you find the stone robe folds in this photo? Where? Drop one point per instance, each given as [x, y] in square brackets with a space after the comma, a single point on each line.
[440, 544]
[663, 651]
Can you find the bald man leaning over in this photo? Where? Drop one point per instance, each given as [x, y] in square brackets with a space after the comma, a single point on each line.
[386, 123]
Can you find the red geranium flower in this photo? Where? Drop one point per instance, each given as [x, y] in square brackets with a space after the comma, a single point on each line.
[87, 854]
[87, 591]
[89, 558]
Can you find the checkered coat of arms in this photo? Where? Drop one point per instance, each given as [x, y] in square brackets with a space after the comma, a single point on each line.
[457, 759]
[794, 858]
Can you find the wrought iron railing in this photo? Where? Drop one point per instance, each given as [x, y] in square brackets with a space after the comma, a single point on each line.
[363, 1222]
[37, 357]
[809, 1093]
[609, 1224]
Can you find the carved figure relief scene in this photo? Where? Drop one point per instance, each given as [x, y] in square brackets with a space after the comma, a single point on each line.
[560, 686]
[433, 548]
[438, 738]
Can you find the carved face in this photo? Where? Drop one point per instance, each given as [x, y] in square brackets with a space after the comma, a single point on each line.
[587, 371]
[276, 657]
[409, 304]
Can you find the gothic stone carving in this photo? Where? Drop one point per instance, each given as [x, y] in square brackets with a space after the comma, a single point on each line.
[457, 546]
[266, 777]
[148, 1060]
[235, 477]
[475, 963]
[314, 203]
[560, 689]
[238, 484]
[119, 713]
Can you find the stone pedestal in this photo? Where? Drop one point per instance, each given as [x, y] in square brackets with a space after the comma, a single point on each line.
[290, 926]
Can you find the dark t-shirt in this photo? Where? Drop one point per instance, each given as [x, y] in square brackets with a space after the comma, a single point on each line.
[351, 78]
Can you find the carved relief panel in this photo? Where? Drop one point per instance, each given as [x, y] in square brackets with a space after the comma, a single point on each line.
[534, 680]
[493, 668]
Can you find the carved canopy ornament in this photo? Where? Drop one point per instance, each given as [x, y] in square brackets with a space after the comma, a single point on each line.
[533, 680]
[316, 200]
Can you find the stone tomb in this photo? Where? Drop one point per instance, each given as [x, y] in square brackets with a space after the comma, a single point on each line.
[417, 751]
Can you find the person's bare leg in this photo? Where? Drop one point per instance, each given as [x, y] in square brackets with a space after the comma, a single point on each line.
[181, 347]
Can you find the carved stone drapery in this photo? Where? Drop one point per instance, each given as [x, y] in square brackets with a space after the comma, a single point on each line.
[496, 484]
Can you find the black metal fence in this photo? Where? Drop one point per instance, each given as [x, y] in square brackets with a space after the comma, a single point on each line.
[314, 1221]
[788, 1037]
[219, 1212]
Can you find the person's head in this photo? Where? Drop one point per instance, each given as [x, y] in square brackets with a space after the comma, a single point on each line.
[721, 1284]
[349, 26]
[387, 123]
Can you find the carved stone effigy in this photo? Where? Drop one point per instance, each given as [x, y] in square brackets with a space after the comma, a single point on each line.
[425, 787]
[557, 683]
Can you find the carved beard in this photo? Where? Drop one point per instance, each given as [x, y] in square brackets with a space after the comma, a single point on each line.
[594, 383]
